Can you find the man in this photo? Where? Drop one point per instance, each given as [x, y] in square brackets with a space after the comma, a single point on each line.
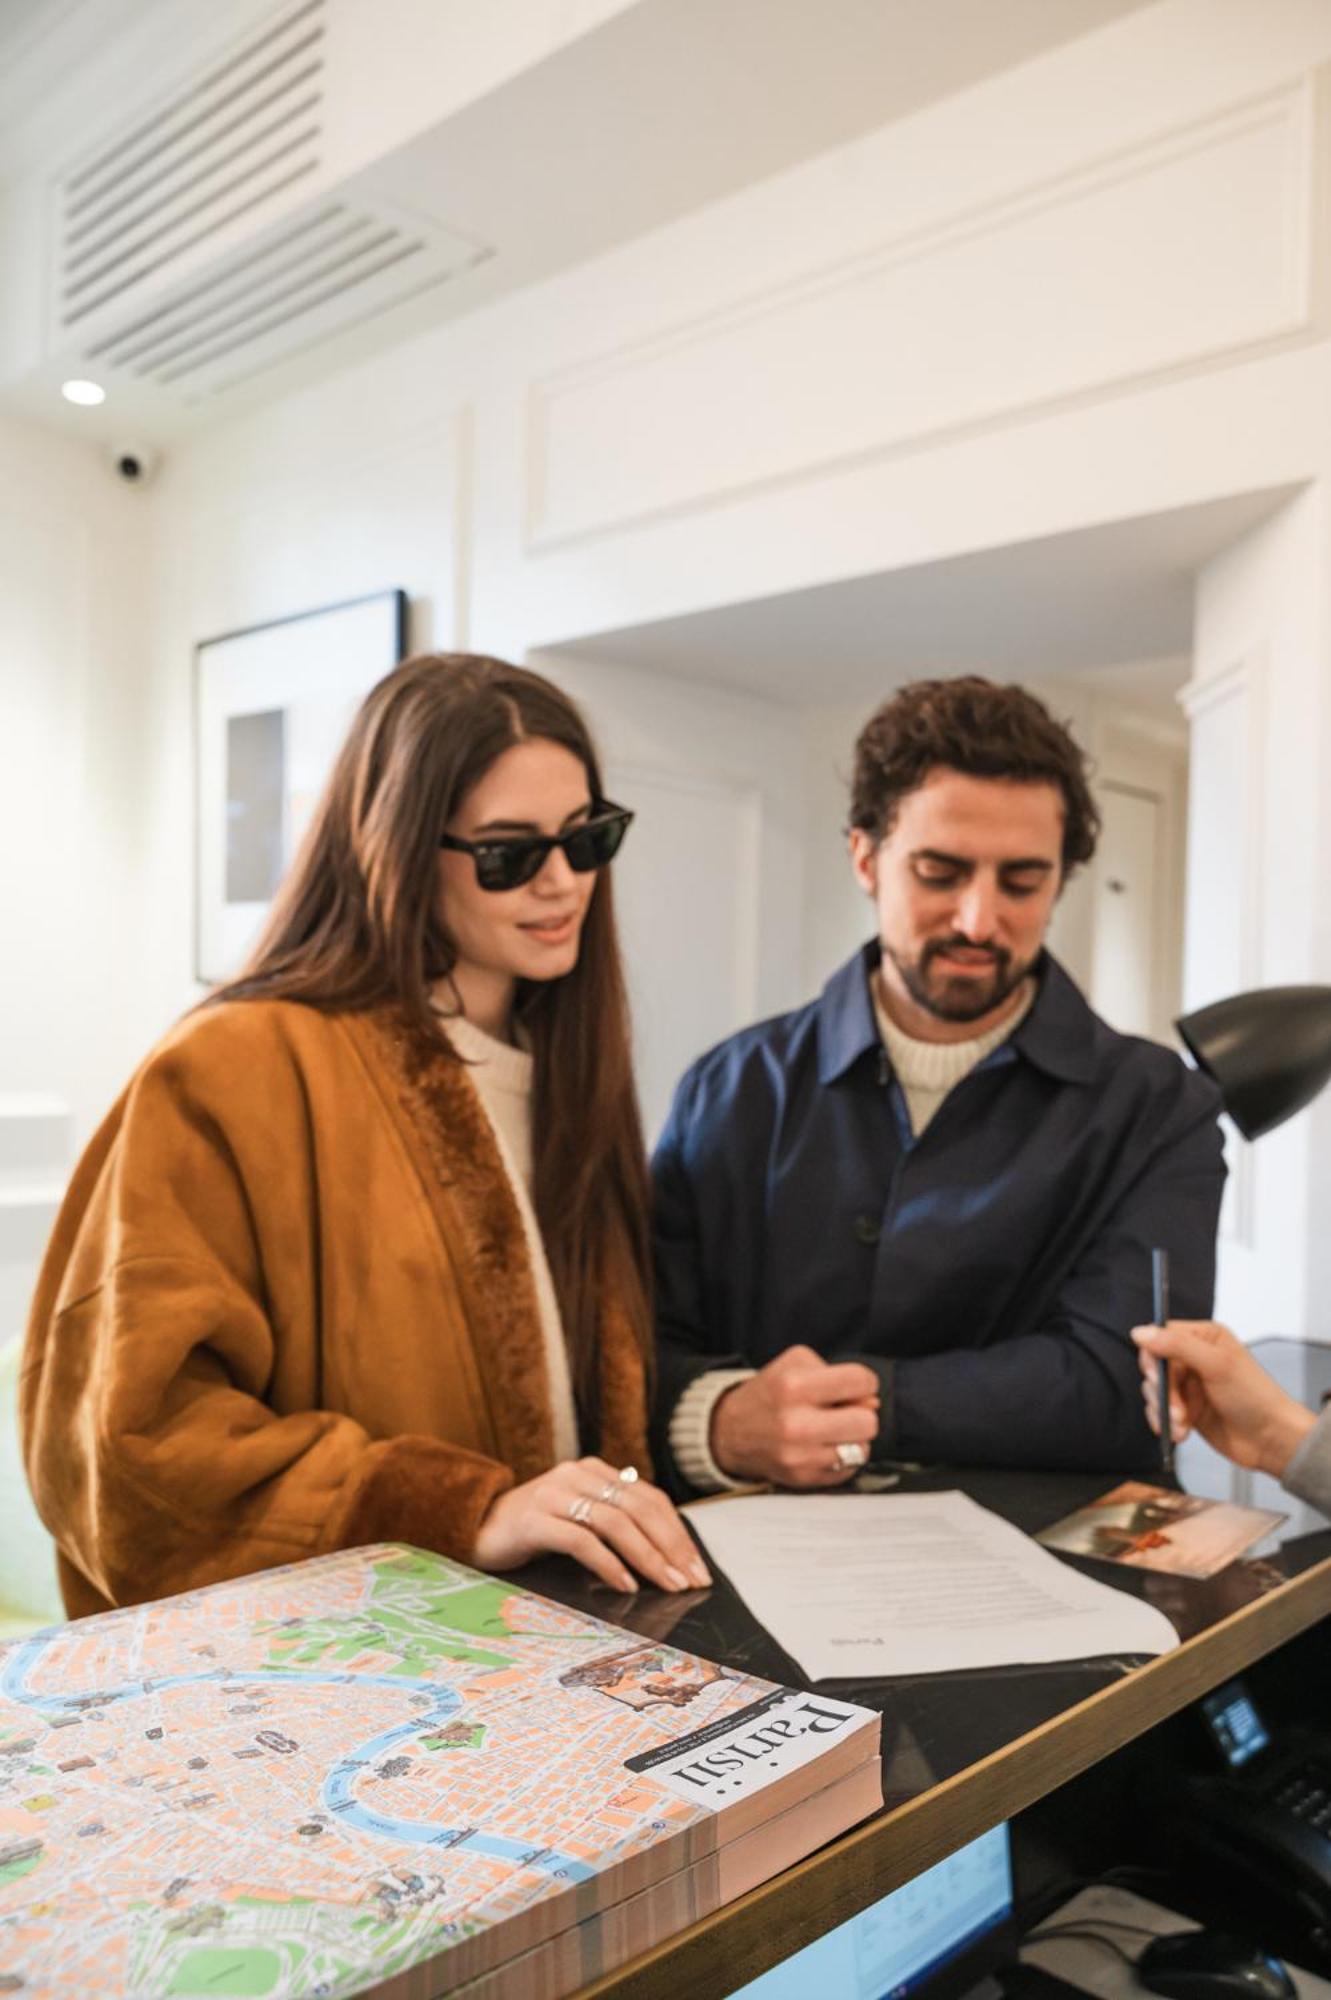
[1218, 1388]
[913, 1220]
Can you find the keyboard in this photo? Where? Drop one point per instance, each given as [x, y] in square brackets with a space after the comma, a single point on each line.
[1305, 1792]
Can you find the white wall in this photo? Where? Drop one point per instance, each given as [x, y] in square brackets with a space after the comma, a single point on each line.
[72, 759]
[74, 649]
[1141, 747]
[836, 916]
[330, 497]
[1257, 868]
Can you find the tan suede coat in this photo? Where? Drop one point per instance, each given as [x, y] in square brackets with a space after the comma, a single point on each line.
[287, 1308]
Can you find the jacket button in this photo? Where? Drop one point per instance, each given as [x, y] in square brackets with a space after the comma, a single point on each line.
[867, 1229]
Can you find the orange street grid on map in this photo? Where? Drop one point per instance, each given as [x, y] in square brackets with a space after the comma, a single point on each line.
[308, 1781]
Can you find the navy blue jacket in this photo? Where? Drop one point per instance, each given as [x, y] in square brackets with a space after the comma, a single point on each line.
[989, 1269]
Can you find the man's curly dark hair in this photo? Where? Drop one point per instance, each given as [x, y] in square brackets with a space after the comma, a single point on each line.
[981, 729]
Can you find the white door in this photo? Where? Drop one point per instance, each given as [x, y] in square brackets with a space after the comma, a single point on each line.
[1130, 882]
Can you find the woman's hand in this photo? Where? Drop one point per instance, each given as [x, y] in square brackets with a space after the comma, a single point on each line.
[585, 1509]
[1218, 1388]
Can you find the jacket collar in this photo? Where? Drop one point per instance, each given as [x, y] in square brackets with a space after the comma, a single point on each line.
[439, 1114]
[1057, 1036]
[846, 1026]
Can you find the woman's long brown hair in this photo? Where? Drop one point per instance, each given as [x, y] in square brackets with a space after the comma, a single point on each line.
[355, 924]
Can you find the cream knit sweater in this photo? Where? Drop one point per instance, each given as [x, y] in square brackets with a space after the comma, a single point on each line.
[503, 1079]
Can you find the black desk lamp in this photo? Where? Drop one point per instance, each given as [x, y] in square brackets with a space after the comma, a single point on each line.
[1269, 1051]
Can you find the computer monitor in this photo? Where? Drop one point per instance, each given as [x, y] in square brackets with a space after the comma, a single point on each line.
[1236, 1728]
[934, 1937]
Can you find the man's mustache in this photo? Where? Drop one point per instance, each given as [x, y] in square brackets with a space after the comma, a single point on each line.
[996, 953]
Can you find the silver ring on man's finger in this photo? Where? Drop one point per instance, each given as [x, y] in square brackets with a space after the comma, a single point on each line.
[580, 1510]
[609, 1493]
[848, 1455]
[627, 1475]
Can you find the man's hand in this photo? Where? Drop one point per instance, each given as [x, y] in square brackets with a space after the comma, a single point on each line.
[1217, 1388]
[785, 1423]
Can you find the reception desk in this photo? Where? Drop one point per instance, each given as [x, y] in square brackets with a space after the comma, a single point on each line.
[961, 1752]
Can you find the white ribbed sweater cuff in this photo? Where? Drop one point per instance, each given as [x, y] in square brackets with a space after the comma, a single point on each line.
[691, 1429]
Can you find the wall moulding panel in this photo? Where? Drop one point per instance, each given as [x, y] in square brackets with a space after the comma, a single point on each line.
[1194, 247]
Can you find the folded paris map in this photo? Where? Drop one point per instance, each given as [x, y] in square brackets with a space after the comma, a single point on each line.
[381, 1772]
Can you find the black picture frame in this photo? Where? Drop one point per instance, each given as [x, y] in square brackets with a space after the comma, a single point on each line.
[272, 704]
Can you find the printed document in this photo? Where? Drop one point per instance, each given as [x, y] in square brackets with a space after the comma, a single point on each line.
[856, 1584]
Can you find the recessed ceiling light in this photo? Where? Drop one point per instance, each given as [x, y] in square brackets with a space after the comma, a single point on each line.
[83, 392]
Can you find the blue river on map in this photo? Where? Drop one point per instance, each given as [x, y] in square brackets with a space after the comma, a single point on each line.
[339, 1786]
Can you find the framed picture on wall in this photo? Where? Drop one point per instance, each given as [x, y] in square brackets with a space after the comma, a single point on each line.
[272, 705]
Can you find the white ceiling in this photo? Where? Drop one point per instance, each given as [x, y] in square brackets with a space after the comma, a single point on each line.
[813, 72]
[24, 22]
[1073, 606]
[666, 106]
[674, 103]
[45, 46]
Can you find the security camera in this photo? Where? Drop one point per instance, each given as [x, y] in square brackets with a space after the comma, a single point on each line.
[135, 464]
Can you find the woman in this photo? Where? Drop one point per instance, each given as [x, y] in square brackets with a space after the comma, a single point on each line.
[360, 1254]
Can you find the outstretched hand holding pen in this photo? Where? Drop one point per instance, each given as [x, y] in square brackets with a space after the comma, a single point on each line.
[1217, 1388]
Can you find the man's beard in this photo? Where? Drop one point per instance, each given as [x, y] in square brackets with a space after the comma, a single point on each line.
[955, 997]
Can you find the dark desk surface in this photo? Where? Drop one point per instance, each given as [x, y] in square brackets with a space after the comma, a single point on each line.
[960, 1751]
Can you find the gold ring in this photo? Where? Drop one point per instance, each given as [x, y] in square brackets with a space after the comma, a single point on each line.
[580, 1510]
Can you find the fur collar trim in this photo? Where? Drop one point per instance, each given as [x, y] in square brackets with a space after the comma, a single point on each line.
[468, 1189]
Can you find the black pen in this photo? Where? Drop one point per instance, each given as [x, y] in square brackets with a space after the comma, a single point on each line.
[1160, 1310]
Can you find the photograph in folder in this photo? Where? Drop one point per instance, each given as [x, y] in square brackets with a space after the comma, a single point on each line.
[381, 1772]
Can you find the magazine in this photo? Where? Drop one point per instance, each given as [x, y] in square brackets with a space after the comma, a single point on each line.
[1152, 1527]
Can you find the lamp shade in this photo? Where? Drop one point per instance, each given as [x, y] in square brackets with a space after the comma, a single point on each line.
[1269, 1051]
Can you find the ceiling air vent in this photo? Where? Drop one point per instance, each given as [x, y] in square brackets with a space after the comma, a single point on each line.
[327, 270]
[202, 243]
[220, 149]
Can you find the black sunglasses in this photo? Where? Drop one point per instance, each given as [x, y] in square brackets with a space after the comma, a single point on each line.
[508, 863]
